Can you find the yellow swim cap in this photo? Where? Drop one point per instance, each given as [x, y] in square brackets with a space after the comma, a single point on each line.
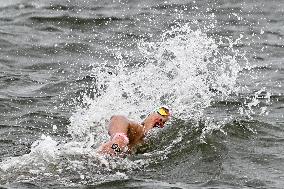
[163, 111]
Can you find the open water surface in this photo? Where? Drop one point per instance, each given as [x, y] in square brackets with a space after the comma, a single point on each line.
[66, 66]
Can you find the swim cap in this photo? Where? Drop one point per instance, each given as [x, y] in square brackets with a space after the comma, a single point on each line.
[163, 111]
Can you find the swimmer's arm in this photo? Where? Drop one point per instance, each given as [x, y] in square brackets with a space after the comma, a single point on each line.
[118, 124]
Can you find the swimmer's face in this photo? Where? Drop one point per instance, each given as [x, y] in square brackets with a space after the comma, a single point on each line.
[160, 121]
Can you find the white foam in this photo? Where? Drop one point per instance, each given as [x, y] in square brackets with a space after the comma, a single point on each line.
[179, 71]
[43, 150]
[253, 106]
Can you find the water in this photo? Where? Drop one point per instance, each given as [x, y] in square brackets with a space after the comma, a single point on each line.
[67, 66]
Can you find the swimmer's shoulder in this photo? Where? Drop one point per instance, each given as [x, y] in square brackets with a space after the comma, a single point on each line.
[134, 124]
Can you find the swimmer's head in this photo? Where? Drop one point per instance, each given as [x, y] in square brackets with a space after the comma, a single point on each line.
[158, 118]
[163, 113]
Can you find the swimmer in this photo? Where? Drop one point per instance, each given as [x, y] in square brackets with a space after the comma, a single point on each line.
[126, 134]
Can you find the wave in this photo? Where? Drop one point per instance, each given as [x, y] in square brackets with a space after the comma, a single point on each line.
[40, 51]
[165, 6]
[6, 44]
[258, 68]
[273, 45]
[26, 185]
[50, 28]
[74, 21]
[43, 66]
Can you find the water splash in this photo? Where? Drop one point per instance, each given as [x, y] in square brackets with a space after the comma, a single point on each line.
[43, 150]
[184, 70]
[257, 104]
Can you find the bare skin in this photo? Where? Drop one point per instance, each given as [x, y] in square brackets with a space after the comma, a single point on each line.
[134, 131]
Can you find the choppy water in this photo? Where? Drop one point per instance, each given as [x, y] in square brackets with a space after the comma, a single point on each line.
[67, 66]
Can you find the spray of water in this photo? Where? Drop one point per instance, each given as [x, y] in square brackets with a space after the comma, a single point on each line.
[257, 104]
[183, 70]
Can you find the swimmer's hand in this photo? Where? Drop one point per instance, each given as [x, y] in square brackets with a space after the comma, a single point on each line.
[106, 149]
[112, 148]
